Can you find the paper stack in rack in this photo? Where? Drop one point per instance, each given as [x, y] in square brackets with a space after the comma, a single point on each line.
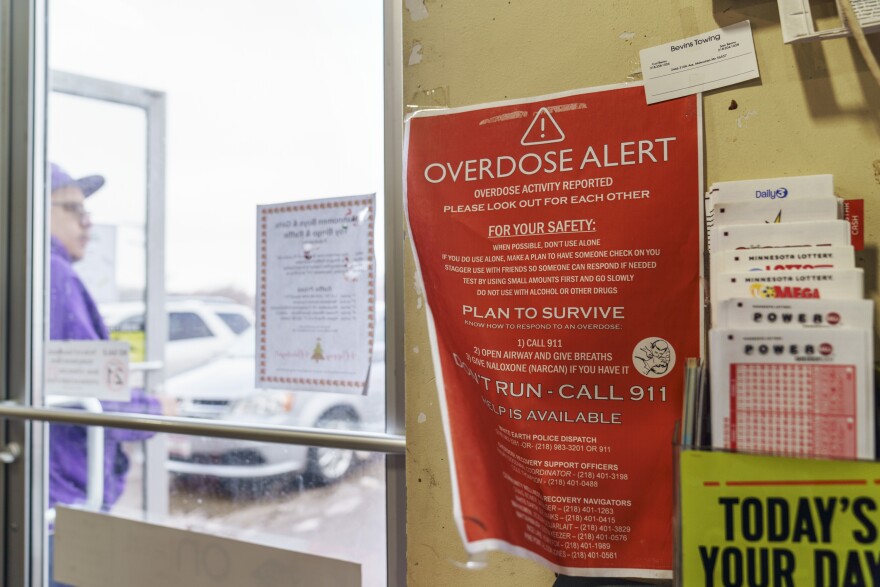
[777, 200]
[791, 348]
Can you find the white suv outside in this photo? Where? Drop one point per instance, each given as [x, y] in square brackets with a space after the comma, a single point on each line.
[225, 390]
[199, 329]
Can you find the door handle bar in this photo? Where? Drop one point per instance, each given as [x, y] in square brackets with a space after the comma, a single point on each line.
[353, 440]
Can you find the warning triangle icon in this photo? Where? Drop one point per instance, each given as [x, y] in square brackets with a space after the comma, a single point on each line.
[543, 130]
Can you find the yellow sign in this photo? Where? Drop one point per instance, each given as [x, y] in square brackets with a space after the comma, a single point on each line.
[751, 521]
[136, 343]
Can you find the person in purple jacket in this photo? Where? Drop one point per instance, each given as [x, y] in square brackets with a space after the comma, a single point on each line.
[73, 315]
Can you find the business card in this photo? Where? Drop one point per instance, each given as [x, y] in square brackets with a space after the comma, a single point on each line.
[708, 61]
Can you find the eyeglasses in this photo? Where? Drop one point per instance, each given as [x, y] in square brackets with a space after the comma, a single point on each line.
[76, 209]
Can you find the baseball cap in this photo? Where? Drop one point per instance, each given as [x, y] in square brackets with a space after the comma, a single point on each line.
[61, 179]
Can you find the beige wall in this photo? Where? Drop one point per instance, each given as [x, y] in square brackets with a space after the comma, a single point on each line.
[815, 109]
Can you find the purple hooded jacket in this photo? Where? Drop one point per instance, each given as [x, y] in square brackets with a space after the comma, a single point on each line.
[73, 315]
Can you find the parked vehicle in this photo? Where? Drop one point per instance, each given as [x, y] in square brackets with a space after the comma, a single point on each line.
[225, 390]
[199, 329]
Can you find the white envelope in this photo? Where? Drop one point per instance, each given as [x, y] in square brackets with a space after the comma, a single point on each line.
[778, 211]
[797, 187]
[792, 234]
[778, 259]
[815, 284]
[753, 313]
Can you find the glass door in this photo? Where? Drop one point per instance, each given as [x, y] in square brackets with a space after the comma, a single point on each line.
[179, 411]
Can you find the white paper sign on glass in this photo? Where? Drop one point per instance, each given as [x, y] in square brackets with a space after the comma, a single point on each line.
[316, 297]
[87, 368]
[718, 58]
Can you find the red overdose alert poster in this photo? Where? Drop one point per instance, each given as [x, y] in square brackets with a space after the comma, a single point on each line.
[559, 244]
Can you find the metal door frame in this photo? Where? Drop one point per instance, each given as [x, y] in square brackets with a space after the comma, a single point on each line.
[23, 91]
[152, 102]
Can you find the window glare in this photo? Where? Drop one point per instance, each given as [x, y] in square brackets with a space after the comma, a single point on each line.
[267, 102]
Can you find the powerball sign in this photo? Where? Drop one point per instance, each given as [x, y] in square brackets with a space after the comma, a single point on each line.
[559, 245]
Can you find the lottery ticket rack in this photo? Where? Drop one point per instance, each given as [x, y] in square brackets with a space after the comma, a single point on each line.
[774, 458]
[791, 342]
